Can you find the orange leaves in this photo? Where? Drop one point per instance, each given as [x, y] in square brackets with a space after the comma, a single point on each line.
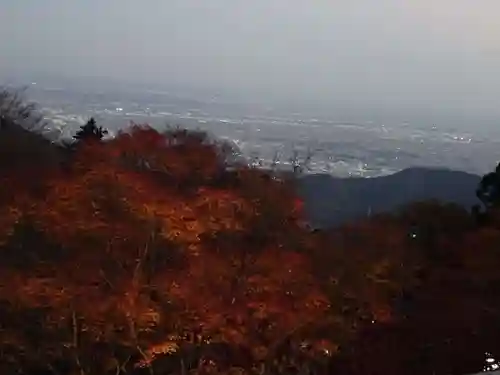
[14, 201]
[221, 209]
[130, 178]
[157, 236]
[249, 299]
[183, 155]
[298, 207]
[365, 267]
[74, 207]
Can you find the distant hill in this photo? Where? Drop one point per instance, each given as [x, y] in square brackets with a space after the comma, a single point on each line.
[331, 201]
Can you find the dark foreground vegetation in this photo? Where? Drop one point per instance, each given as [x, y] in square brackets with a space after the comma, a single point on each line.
[157, 253]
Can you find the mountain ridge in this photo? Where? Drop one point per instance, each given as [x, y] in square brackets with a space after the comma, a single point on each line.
[331, 201]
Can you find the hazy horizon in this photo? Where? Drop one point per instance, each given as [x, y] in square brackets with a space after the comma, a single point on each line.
[394, 57]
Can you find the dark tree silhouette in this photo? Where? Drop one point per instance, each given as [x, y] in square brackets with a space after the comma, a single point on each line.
[488, 191]
[90, 131]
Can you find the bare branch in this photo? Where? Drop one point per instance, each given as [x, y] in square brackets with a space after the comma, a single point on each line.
[16, 110]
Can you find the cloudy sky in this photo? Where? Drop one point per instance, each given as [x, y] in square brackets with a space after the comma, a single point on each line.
[363, 53]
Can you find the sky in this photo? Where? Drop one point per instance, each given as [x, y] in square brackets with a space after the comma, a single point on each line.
[394, 54]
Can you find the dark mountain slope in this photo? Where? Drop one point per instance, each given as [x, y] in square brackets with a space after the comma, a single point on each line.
[21, 148]
[331, 201]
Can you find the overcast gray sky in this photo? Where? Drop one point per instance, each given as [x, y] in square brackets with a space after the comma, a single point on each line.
[401, 53]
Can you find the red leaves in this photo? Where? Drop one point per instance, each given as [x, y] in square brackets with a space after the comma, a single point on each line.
[149, 214]
[298, 205]
[154, 237]
[182, 155]
[233, 294]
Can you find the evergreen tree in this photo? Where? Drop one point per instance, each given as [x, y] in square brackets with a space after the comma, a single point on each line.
[488, 190]
[90, 131]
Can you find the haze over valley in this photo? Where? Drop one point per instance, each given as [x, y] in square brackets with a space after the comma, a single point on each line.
[344, 145]
[370, 89]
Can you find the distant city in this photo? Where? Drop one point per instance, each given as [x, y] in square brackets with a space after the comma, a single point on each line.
[266, 135]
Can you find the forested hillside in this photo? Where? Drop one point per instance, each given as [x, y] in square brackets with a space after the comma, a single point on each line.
[331, 201]
[154, 252]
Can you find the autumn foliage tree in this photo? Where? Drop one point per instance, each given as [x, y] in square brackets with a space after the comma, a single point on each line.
[444, 314]
[148, 238]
